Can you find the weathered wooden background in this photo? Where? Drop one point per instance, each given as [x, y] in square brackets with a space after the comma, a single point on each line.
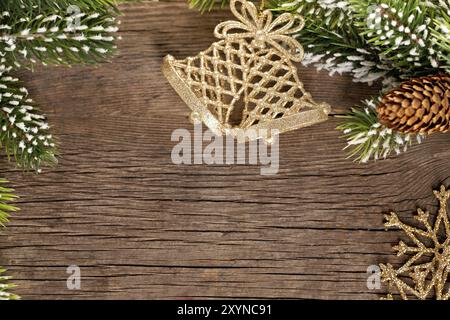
[142, 227]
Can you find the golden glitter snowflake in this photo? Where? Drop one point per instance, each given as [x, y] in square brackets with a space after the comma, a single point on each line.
[425, 273]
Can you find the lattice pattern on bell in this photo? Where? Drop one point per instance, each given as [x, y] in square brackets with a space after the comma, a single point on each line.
[247, 80]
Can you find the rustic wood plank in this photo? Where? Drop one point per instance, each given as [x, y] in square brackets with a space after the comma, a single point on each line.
[142, 227]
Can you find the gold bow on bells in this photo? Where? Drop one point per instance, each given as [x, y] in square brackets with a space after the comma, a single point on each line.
[264, 31]
[247, 80]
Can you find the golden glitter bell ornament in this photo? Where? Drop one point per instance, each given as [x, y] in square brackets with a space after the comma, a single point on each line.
[247, 80]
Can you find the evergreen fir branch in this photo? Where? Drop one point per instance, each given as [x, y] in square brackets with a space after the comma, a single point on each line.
[6, 197]
[19, 7]
[333, 13]
[5, 287]
[62, 37]
[49, 32]
[368, 139]
[333, 42]
[206, 5]
[441, 36]
[360, 38]
[441, 5]
[346, 54]
[24, 132]
[399, 30]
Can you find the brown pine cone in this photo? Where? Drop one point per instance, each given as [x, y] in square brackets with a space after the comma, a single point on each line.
[420, 105]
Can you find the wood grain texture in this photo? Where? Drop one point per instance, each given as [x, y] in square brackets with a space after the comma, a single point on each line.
[141, 227]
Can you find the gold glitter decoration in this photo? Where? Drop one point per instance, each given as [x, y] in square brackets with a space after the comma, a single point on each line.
[247, 80]
[425, 273]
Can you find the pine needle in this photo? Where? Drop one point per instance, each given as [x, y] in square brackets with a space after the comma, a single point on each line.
[6, 197]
